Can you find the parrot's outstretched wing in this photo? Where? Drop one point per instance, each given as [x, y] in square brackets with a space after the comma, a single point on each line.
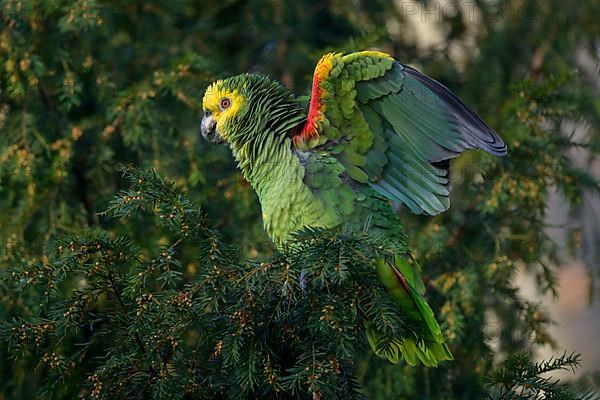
[391, 127]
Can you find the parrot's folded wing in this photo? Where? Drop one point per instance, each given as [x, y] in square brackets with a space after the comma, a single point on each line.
[391, 127]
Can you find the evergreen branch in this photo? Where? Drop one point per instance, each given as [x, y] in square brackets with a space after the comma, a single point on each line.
[520, 378]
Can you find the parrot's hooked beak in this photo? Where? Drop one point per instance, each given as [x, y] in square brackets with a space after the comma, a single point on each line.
[208, 129]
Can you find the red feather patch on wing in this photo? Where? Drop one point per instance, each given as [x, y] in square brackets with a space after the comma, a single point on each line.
[310, 130]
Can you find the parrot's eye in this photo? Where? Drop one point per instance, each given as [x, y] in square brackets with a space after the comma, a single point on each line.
[225, 103]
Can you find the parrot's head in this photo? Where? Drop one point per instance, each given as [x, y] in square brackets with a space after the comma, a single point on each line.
[224, 104]
[242, 109]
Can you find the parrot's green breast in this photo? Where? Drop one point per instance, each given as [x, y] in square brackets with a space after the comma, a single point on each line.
[288, 203]
[297, 190]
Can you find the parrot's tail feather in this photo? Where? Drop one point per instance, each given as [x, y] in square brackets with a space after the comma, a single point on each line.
[429, 347]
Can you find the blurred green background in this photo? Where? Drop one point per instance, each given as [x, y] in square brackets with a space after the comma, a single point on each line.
[88, 85]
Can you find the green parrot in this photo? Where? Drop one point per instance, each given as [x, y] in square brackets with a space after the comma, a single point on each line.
[375, 132]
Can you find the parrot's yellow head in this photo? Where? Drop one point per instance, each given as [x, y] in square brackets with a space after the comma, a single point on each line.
[221, 104]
